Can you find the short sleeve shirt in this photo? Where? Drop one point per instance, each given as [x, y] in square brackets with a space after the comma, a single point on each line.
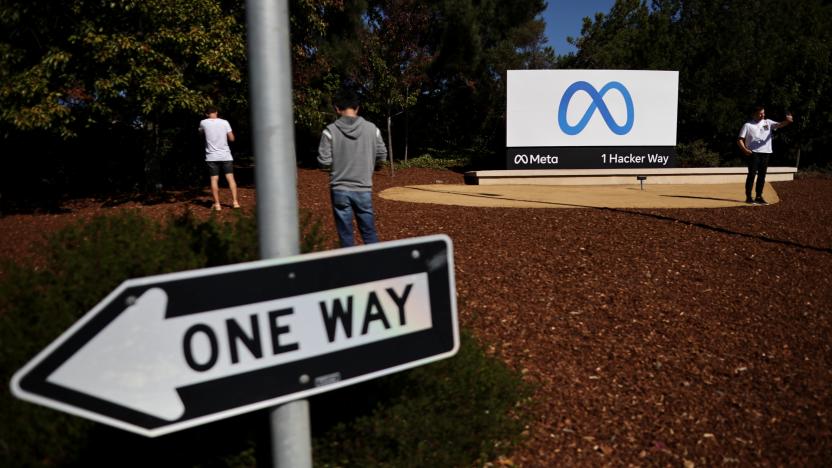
[757, 135]
[216, 139]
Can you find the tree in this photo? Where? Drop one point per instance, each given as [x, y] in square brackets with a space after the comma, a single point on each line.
[615, 40]
[115, 60]
[729, 56]
[312, 65]
[397, 52]
[119, 84]
[74, 67]
[477, 43]
[435, 69]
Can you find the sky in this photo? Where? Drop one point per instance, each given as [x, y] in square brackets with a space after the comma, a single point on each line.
[565, 17]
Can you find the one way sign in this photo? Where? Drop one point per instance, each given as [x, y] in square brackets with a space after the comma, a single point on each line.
[168, 352]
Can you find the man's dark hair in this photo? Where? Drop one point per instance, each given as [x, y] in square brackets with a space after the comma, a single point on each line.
[211, 110]
[757, 108]
[346, 99]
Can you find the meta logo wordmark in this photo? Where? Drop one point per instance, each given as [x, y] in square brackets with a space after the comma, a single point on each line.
[597, 103]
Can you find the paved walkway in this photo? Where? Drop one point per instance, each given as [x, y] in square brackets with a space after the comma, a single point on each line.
[596, 196]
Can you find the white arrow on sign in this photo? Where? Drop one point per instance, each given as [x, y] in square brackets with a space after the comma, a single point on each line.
[141, 358]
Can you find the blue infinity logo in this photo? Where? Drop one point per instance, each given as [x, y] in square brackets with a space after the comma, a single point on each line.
[597, 103]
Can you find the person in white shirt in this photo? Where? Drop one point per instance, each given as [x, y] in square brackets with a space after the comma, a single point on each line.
[218, 133]
[755, 142]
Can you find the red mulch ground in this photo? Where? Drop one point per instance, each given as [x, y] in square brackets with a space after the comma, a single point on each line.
[652, 337]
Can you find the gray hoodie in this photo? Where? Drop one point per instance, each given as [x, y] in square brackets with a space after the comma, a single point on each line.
[352, 146]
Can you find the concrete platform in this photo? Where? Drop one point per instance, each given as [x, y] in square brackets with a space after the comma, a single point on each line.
[706, 175]
[592, 196]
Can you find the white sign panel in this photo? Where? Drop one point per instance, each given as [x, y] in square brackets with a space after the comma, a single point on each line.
[141, 358]
[593, 108]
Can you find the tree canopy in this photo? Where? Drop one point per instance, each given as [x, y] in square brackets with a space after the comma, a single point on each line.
[730, 56]
[68, 65]
[120, 85]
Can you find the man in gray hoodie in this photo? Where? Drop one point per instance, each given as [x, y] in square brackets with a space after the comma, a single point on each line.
[352, 147]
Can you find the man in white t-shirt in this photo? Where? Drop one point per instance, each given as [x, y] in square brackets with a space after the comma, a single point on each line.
[755, 142]
[218, 133]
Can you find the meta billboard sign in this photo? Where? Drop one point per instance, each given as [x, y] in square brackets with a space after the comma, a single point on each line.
[591, 119]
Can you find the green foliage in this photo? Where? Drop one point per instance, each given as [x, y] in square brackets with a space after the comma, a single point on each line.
[457, 159]
[452, 413]
[119, 85]
[436, 71]
[312, 77]
[463, 411]
[218, 243]
[124, 80]
[816, 172]
[72, 64]
[478, 42]
[109, 93]
[730, 56]
[606, 41]
[696, 154]
[31, 316]
[85, 262]
[312, 237]
[428, 161]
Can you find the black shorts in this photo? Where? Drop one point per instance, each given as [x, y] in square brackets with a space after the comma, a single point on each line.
[217, 167]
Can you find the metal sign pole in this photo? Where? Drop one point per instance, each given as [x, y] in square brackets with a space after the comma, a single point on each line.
[276, 179]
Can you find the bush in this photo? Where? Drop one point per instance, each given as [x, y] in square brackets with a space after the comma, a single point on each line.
[463, 411]
[815, 171]
[84, 263]
[696, 154]
[428, 161]
[455, 412]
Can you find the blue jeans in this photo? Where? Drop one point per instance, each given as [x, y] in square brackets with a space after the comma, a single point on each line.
[344, 204]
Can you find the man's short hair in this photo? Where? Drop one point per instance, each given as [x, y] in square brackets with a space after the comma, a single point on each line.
[757, 108]
[346, 99]
[211, 110]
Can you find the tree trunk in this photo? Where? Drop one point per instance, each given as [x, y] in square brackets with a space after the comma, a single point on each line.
[390, 142]
[406, 133]
[152, 159]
